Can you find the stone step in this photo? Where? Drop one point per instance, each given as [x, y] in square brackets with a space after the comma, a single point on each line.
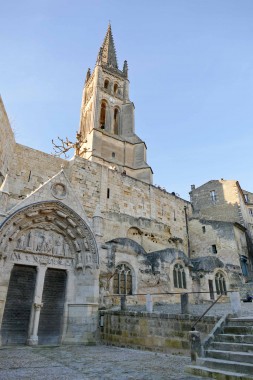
[232, 346]
[240, 321]
[216, 374]
[238, 329]
[235, 338]
[244, 357]
[226, 365]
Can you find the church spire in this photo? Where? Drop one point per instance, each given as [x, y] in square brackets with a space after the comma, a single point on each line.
[107, 52]
[107, 133]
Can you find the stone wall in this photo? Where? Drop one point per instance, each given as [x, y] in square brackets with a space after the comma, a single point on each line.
[7, 142]
[246, 288]
[229, 240]
[224, 208]
[230, 204]
[150, 331]
[28, 170]
[124, 202]
[116, 205]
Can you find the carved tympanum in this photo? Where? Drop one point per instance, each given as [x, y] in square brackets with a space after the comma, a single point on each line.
[49, 229]
[40, 241]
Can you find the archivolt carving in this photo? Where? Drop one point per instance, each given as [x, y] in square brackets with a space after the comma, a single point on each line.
[49, 229]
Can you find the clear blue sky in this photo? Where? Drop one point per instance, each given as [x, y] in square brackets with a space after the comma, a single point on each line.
[190, 68]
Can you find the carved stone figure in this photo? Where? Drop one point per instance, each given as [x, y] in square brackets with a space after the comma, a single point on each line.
[58, 249]
[88, 260]
[33, 241]
[21, 242]
[43, 242]
[40, 240]
[78, 249]
[47, 244]
[86, 246]
[66, 249]
[79, 263]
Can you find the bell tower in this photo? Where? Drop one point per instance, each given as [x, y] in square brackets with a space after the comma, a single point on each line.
[107, 117]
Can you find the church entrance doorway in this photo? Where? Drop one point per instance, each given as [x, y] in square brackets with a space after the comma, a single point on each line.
[48, 254]
[51, 315]
[18, 305]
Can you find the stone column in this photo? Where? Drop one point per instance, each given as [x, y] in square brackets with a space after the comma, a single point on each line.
[35, 317]
[184, 303]
[195, 345]
[149, 303]
[123, 303]
[235, 303]
[97, 222]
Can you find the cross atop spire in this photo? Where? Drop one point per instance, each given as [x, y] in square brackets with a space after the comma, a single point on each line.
[107, 52]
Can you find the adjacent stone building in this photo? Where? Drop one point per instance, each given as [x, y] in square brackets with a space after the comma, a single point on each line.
[221, 223]
[75, 231]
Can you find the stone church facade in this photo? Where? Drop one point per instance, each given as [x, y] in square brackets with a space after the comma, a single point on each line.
[73, 233]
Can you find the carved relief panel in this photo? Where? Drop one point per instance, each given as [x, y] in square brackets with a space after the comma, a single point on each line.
[40, 241]
[49, 233]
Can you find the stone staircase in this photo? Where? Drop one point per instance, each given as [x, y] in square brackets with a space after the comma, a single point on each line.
[230, 354]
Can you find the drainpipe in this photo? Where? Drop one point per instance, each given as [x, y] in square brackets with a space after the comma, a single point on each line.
[187, 232]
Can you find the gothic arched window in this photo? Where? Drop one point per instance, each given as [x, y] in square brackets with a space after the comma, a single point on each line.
[102, 118]
[220, 283]
[115, 88]
[116, 121]
[122, 280]
[106, 84]
[179, 276]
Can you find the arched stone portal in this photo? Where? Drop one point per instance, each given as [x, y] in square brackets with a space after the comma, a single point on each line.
[48, 251]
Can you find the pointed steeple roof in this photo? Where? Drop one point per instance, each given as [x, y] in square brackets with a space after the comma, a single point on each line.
[107, 52]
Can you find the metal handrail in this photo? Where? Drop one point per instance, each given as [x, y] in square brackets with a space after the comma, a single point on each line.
[123, 300]
[210, 307]
[170, 293]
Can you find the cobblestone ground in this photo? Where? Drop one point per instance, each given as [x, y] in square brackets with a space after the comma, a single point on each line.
[94, 362]
[102, 362]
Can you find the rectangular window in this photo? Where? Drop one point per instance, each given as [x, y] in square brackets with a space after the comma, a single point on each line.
[204, 229]
[213, 196]
[246, 198]
[108, 193]
[214, 248]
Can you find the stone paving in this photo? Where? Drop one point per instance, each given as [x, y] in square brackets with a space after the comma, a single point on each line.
[93, 362]
[102, 362]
